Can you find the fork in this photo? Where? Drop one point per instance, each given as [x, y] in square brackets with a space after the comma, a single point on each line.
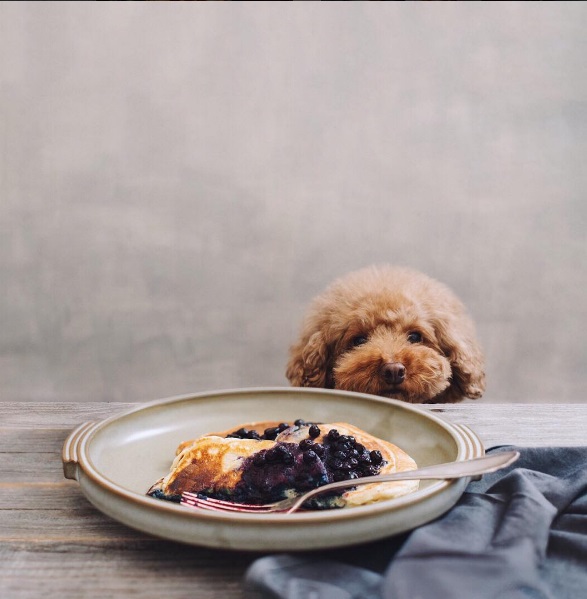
[449, 470]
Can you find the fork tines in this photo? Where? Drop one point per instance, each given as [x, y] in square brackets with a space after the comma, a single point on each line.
[208, 503]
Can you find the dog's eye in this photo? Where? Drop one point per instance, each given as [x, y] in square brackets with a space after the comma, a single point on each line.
[414, 337]
[358, 340]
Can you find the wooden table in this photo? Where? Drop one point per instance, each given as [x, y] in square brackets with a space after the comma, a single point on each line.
[54, 544]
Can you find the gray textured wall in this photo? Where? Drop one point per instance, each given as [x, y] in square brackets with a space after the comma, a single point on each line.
[179, 179]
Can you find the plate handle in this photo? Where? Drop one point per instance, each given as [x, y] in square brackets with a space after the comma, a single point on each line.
[477, 448]
[69, 453]
[475, 445]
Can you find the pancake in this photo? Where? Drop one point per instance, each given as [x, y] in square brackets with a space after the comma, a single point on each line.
[261, 462]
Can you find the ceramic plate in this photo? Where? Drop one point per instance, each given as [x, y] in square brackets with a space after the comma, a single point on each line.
[116, 460]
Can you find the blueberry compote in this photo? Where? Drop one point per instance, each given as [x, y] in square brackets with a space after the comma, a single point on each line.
[294, 468]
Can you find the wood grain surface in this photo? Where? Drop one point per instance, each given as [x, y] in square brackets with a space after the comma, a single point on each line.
[54, 543]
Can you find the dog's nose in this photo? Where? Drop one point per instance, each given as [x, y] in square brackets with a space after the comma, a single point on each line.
[393, 372]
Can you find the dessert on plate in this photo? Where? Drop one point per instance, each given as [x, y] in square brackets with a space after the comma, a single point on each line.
[262, 462]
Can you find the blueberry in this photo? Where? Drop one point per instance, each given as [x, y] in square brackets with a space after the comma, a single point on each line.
[282, 426]
[270, 433]
[344, 446]
[280, 450]
[376, 456]
[319, 449]
[242, 432]
[306, 444]
[371, 471]
[360, 447]
[352, 475]
[254, 435]
[310, 456]
[365, 457]
[338, 475]
[314, 431]
[272, 456]
[353, 462]
[299, 422]
[336, 464]
[333, 434]
[341, 455]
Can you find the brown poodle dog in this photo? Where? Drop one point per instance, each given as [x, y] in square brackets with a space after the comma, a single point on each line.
[392, 332]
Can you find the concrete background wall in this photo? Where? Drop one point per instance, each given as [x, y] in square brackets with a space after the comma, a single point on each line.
[178, 180]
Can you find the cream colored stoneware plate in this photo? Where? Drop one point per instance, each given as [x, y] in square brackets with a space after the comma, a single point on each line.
[116, 460]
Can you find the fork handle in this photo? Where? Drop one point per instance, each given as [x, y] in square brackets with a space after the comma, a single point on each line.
[476, 466]
[450, 470]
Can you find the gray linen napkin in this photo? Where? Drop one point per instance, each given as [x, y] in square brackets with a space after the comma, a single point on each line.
[520, 533]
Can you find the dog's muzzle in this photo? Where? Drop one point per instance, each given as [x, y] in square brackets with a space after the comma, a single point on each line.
[393, 373]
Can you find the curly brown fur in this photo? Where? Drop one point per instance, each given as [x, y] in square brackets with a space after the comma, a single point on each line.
[363, 334]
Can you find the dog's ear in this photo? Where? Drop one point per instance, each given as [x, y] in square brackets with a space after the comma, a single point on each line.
[309, 363]
[457, 340]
